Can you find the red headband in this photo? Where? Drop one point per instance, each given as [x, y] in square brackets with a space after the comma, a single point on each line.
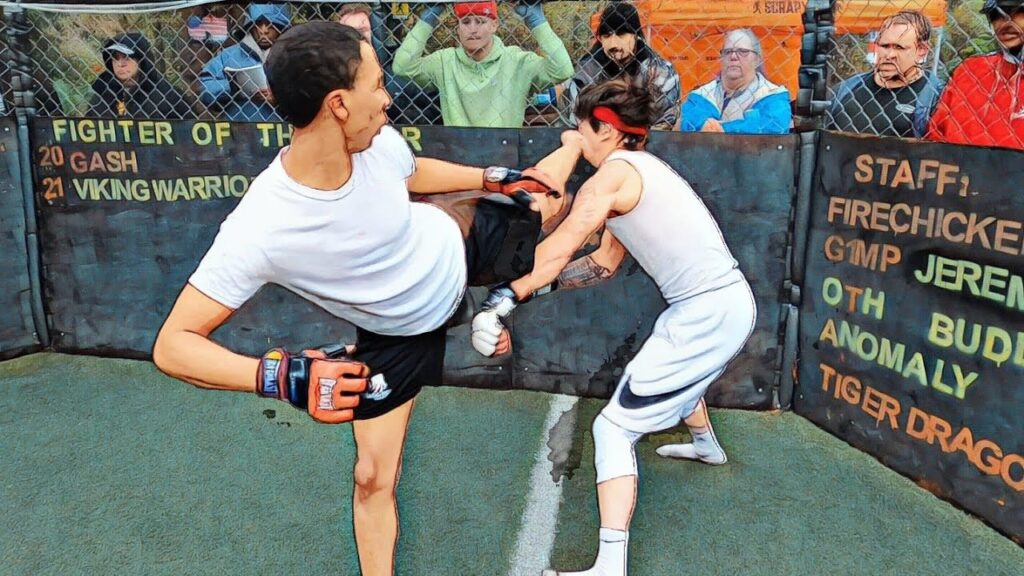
[485, 9]
[609, 116]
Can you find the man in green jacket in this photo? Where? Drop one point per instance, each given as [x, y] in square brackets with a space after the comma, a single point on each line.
[483, 82]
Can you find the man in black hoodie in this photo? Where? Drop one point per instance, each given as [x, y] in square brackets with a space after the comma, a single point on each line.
[622, 52]
[131, 86]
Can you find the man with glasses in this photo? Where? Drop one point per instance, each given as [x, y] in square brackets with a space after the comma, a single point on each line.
[897, 97]
[740, 100]
[983, 104]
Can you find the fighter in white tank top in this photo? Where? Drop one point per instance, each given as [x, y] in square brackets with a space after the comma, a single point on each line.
[684, 264]
[653, 213]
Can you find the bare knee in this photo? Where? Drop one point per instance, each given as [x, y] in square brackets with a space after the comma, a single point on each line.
[371, 478]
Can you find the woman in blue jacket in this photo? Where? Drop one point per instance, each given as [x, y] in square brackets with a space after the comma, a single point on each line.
[741, 100]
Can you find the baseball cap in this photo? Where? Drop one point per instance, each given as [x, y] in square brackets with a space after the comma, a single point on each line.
[997, 6]
[118, 47]
[620, 18]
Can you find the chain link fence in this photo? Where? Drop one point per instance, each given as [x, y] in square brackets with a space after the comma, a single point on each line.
[890, 73]
[6, 92]
[198, 62]
[203, 61]
[20, 79]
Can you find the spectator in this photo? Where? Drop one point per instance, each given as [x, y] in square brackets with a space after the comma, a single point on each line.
[357, 15]
[897, 98]
[741, 100]
[131, 86]
[983, 104]
[410, 104]
[241, 95]
[483, 82]
[207, 31]
[621, 51]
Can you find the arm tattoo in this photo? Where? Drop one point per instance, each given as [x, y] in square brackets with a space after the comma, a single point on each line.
[591, 245]
[583, 272]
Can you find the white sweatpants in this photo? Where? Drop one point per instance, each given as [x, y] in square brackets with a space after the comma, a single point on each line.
[692, 343]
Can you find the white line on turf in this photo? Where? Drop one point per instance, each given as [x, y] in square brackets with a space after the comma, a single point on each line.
[540, 518]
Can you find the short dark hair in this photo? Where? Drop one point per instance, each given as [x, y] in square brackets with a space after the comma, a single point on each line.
[309, 61]
[353, 8]
[913, 19]
[631, 100]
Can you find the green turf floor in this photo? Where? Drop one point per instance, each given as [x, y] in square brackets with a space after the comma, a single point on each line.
[112, 468]
[108, 467]
[792, 500]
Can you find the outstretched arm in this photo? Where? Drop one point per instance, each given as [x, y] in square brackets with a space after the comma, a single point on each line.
[327, 388]
[589, 212]
[184, 350]
[433, 176]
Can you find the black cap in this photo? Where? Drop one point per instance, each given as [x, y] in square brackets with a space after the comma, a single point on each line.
[1001, 6]
[618, 18]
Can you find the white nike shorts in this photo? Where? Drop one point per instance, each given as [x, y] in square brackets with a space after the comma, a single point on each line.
[692, 343]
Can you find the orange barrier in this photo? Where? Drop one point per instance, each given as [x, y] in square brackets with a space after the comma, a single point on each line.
[852, 16]
[694, 52]
[690, 32]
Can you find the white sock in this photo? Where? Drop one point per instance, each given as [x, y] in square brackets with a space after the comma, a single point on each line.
[705, 448]
[611, 556]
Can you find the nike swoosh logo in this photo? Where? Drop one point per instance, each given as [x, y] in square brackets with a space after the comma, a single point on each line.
[631, 401]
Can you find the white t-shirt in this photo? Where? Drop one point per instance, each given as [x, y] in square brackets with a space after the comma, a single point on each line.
[671, 233]
[363, 252]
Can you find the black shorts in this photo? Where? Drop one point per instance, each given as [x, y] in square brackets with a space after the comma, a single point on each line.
[501, 242]
[500, 239]
[499, 235]
[399, 366]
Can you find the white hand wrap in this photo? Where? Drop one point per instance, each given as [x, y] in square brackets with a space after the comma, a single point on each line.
[487, 326]
[486, 332]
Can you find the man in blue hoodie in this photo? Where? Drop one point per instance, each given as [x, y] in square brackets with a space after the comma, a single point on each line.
[264, 23]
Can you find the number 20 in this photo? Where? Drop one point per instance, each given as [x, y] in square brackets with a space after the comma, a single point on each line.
[52, 156]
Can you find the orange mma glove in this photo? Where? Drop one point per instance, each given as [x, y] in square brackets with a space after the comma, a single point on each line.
[518, 184]
[327, 387]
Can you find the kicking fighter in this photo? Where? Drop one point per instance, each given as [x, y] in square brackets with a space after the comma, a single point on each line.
[659, 219]
[331, 220]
